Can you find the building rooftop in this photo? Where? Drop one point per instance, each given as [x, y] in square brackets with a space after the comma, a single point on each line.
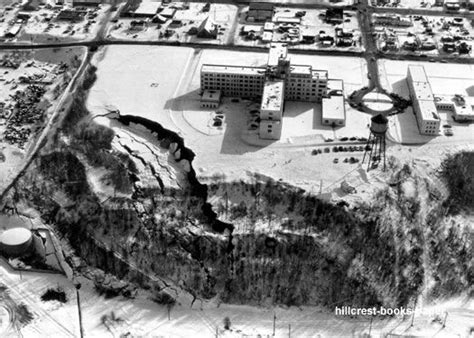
[417, 73]
[273, 94]
[147, 8]
[261, 6]
[211, 96]
[233, 69]
[300, 70]
[336, 85]
[333, 107]
[428, 110]
[277, 51]
[321, 74]
[422, 91]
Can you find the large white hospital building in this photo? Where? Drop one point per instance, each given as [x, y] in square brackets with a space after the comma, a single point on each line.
[276, 82]
[423, 101]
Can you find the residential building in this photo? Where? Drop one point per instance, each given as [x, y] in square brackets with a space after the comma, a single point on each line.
[207, 29]
[423, 101]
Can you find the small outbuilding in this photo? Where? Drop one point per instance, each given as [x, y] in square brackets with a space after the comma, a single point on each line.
[211, 99]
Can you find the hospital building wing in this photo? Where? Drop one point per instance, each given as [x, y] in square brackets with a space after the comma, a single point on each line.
[276, 82]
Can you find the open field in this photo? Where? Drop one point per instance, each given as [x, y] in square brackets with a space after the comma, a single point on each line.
[454, 79]
[174, 102]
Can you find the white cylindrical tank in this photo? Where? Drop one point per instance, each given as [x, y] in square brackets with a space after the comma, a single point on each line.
[15, 241]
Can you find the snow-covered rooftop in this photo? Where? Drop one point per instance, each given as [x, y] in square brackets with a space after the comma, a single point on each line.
[333, 107]
[277, 51]
[148, 8]
[232, 70]
[273, 93]
[300, 70]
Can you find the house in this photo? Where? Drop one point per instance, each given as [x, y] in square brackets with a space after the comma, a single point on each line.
[267, 36]
[269, 26]
[168, 12]
[249, 29]
[335, 15]
[138, 25]
[13, 31]
[175, 24]
[31, 5]
[308, 34]
[287, 20]
[260, 11]
[207, 29]
[452, 5]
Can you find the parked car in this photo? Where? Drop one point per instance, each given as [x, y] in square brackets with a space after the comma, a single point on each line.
[448, 132]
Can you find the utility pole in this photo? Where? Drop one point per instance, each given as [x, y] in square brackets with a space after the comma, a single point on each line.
[274, 322]
[226, 203]
[444, 321]
[81, 330]
[370, 327]
[289, 330]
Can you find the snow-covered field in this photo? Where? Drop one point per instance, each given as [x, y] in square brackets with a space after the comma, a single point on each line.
[446, 80]
[142, 317]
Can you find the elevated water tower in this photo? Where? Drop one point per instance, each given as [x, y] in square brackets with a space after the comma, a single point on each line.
[375, 147]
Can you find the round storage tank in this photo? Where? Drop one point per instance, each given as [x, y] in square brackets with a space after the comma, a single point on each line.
[379, 124]
[15, 241]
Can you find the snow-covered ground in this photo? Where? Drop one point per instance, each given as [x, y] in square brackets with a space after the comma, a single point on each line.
[168, 92]
[142, 317]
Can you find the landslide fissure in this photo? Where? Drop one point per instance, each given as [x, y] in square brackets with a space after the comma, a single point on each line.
[288, 248]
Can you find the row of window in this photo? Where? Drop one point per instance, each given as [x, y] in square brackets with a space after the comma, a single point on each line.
[232, 76]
